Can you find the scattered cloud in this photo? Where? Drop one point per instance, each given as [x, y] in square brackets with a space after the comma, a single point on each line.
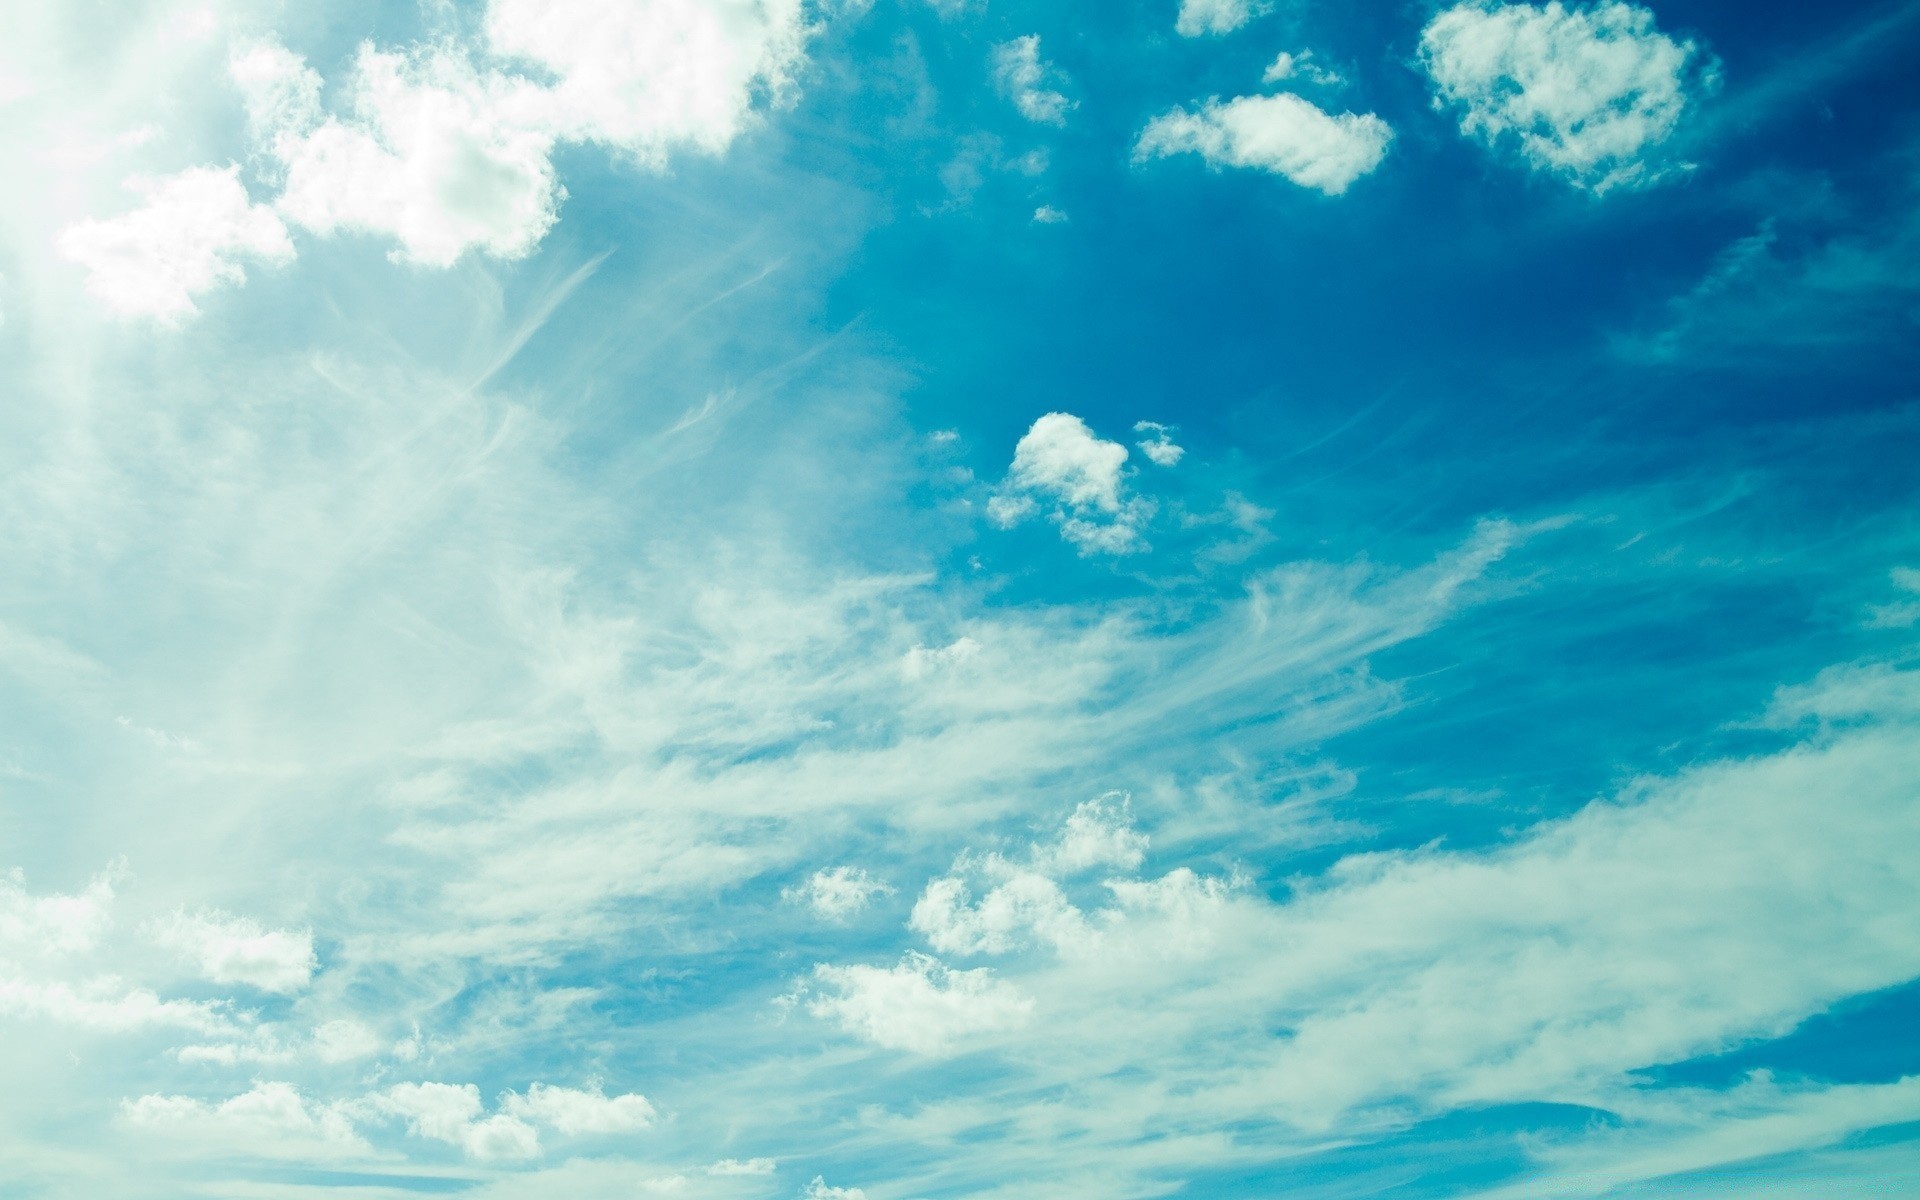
[838, 893]
[1587, 93]
[1158, 445]
[451, 1113]
[1300, 66]
[1024, 78]
[273, 1120]
[573, 1111]
[1198, 17]
[1284, 134]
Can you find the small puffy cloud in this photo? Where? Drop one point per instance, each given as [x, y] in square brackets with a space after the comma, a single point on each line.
[1025, 904]
[1047, 214]
[1284, 134]
[1022, 77]
[1158, 444]
[1586, 92]
[239, 950]
[575, 1111]
[820, 1190]
[1062, 462]
[1300, 66]
[271, 1120]
[195, 232]
[450, 1113]
[1199, 17]
[743, 1166]
[838, 893]
[921, 1005]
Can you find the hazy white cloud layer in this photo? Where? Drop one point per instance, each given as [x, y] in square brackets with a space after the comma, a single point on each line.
[1588, 93]
[639, 611]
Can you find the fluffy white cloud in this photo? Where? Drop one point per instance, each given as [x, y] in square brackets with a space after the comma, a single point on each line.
[743, 1166]
[107, 1006]
[921, 1005]
[1587, 93]
[195, 232]
[239, 950]
[1024, 903]
[450, 1113]
[574, 1111]
[437, 155]
[838, 893]
[1216, 16]
[271, 1120]
[819, 1189]
[657, 75]
[1282, 134]
[1023, 77]
[1060, 460]
[1099, 834]
[1158, 445]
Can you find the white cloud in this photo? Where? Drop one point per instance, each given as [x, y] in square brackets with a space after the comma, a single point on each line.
[344, 1041]
[739, 1166]
[820, 1190]
[1098, 834]
[920, 1005]
[1286, 65]
[271, 1120]
[55, 924]
[651, 77]
[194, 233]
[1022, 77]
[1024, 903]
[1588, 93]
[1199, 17]
[1047, 214]
[438, 156]
[107, 1006]
[838, 893]
[1061, 460]
[1159, 446]
[1284, 134]
[239, 950]
[575, 1111]
[450, 1113]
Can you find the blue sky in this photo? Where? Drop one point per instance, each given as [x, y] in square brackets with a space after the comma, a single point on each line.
[959, 598]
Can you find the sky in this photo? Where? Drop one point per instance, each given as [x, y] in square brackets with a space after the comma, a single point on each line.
[920, 599]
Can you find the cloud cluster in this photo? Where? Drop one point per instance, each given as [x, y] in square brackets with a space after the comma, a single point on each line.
[446, 148]
[1587, 93]
[239, 950]
[838, 893]
[1283, 134]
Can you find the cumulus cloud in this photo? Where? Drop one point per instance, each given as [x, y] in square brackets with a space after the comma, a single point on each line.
[451, 1113]
[55, 924]
[1023, 77]
[436, 154]
[195, 232]
[1081, 476]
[106, 1005]
[1586, 93]
[270, 1120]
[239, 950]
[575, 1111]
[819, 1189]
[1199, 17]
[920, 1005]
[838, 893]
[1284, 134]
[648, 78]
[1158, 445]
